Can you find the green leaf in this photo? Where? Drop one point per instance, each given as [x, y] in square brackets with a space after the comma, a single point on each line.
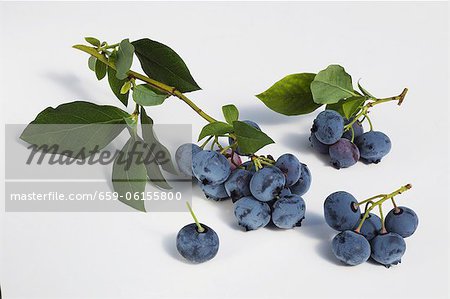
[291, 95]
[117, 84]
[250, 140]
[129, 176]
[91, 63]
[331, 85]
[161, 63]
[76, 126]
[352, 105]
[163, 158]
[125, 87]
[364, 91]
[100, 69]
[124, 59]
[93, 41]
[231, 113]
[215, 128]
[146, 96]
[336, 107]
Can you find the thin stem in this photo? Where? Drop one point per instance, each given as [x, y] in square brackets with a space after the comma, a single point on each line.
[383, 228]
[224, 149]
[200, 228]
[370, 123]
[159, 85]
[394, 204]
[370, 199]
[206, 142]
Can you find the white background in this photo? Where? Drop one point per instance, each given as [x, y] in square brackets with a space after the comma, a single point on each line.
[235, 51]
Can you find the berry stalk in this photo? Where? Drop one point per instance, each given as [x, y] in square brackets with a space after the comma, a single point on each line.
[200, 228]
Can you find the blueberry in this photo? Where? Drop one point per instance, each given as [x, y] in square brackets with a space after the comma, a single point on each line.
[251, 213]
[184, 155]
[210, 167]
[403, 221]
[328, 126]
[341, 211]
[290, 166]
[249, 165]
[285, 192]
[304, 182]
[248, 122]
[195, 246]
[266, 184]
[358, 130]
[317, 145]
[237, 184]
[388, 249]
[373, 146]
[288, 211]
[371, 226]
[350, 248]
[343, 153]
[214, 192]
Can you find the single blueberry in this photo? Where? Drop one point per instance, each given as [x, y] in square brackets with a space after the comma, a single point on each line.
[267, 183]
[251, 213]
[290, 166]
[341, 211]
[371, 226]
[388, 249]
[195, 246]
[373, 146]
[304, 182]
[350, 248]
[183, 157]
[210, 167]
[317, 145]
[214, 192]
[237, 184]
[328, 126]
[288, 211]
[402, 221]
[343, 153]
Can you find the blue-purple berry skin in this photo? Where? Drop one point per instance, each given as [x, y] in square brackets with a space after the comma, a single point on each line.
[290, 166]
[403, 221]
[288, 211]
[304, 182]
[373, 146]
[267, 183]
[285, 192]
[388, 249]
[251, 213]
[340, 211]
[358, 130]
[237, 184]
[214, 192]
[343, 153]
[328, 126]
[197, 247]
[371, 226]
[183, 157]
[318, 146]
[350, 248]
[210, 167]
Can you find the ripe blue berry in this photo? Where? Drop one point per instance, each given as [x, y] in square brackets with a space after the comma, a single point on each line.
[402, 221]
[373, 146]
[290, 166]
[214, 192]
[350, 248]
[210, 167]
[388, 249]
[184, 155]
[371, 226]
[328, 126]
[317, 145]
[251, 213]
[341, 211]
[288, 211]
[343, 153]
[195, 246]
[304, 182]
[358, 130]
[267, 183]
[237, 184]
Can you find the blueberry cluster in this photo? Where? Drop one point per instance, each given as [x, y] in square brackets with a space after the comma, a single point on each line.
[261, 189]
[345, 140]
[365, 235]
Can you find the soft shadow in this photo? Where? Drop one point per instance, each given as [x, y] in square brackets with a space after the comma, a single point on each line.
[70, 82]
[263, 115]
[299, 142]
[324, 251]
[314, 226]
[226, 213]
[169, 245]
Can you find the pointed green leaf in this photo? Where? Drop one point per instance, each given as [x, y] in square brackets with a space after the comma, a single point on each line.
[352, 105]
[364, 91]
[100, 70]
[151, 139]
[161, 63]
[291, 95]
[331, 85]
[146, 96]
[124, 59]
[231, 113]
[76, 126]
[215, 128]
[93, 41]
[91, 63]
[117, 84]
[129, 175]
[249, 139]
